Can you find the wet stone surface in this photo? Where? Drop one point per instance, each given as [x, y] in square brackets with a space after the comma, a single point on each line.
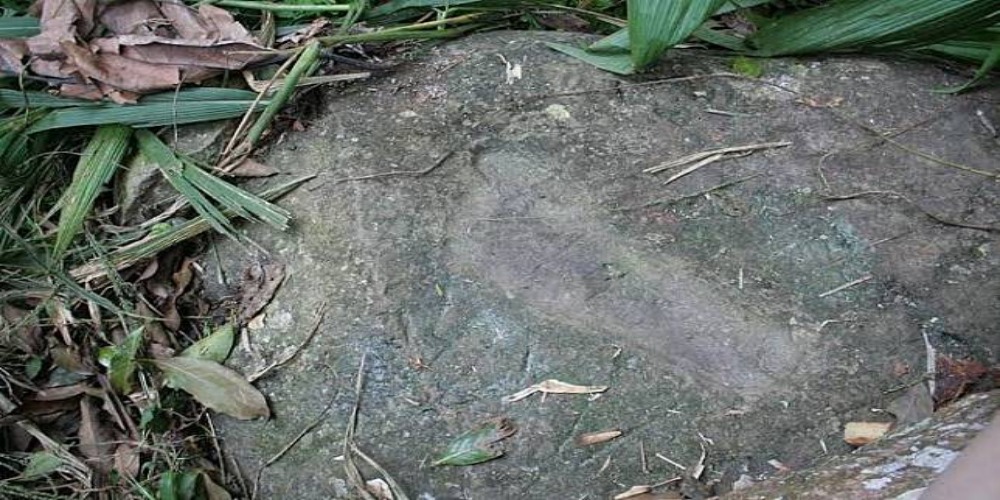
[532, 252]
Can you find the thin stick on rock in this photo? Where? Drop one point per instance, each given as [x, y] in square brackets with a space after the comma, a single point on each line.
[712, 152]
[845, 286]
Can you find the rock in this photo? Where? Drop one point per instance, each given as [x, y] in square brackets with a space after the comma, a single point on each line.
[862, 433]
[899, 466]
[537, 249]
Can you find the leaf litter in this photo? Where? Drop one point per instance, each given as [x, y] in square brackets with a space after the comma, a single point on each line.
[143, 47]
[553, 386]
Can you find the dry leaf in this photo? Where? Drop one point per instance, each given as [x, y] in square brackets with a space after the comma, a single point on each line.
[260, 282]
[249, 167]
[214, 386]
[597, 437]
[379, 489]
[95, 438]
[553, 386]
[143, 46]
[212, 490]
[60, 392]
[913, 405]
[862, 433]
[127, 460]
[634, 492]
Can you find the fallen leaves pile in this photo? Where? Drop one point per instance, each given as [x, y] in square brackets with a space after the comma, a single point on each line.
[93, 49]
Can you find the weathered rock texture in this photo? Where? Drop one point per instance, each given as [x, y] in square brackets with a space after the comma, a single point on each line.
[532, 252]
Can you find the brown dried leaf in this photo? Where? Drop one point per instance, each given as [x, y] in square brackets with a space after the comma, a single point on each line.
[956, 378]
[60, 392]
[95, 438]
[553, 386]
[182, 277]
[127, 460]
[597, 437]
[249, 167]
[379, 489]
[121, 72]
[260, 282]
[862, 433]
[212, 490]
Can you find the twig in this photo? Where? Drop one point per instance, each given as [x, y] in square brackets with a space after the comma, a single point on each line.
[291, 444]
[671, 462]
[397, 490]
[670, 201]
[913, 151]
[288, 358]
[845, 286]
[642, 457]
[930, 215]
[711, 159]
[350, 468]
[415, 173]
[713, 152]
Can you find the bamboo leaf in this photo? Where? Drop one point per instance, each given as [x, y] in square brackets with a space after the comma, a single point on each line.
[851, 25]
[99, 161]
[41, 463]
[215, 346]
[989, 62]
[214, 386]
[656, 25]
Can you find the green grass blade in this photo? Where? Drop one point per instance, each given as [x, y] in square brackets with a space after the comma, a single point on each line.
[235, 200]
[620, 63]
[158, 241]
[307, 59]
[656, 25]
[168, 108]
[18, 27]
[851, 25]
[989, 62]
[172, 169]
[99, 161]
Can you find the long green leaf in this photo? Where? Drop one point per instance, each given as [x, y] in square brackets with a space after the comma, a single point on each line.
[153, 244]
[17, 27]
[99, 161]
[168, 108]
[235, 200]
[656, 25]
[172, 168]
[851, 25]
[619, 63]
[214, 386]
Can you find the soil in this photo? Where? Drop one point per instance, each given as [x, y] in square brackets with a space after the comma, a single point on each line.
[534, 250]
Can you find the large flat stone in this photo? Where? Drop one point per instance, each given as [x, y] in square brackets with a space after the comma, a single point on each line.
[527, 255]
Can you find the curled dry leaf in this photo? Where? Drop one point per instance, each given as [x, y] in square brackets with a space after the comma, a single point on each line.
[379, 489]
[597, 437]
[259, 284]
[478, 445]
[95, 438]
[113, 49]
[553, 386]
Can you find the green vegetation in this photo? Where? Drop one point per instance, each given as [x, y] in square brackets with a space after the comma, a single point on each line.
[101, 310]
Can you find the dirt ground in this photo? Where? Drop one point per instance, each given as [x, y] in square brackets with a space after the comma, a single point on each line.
[525, 243]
